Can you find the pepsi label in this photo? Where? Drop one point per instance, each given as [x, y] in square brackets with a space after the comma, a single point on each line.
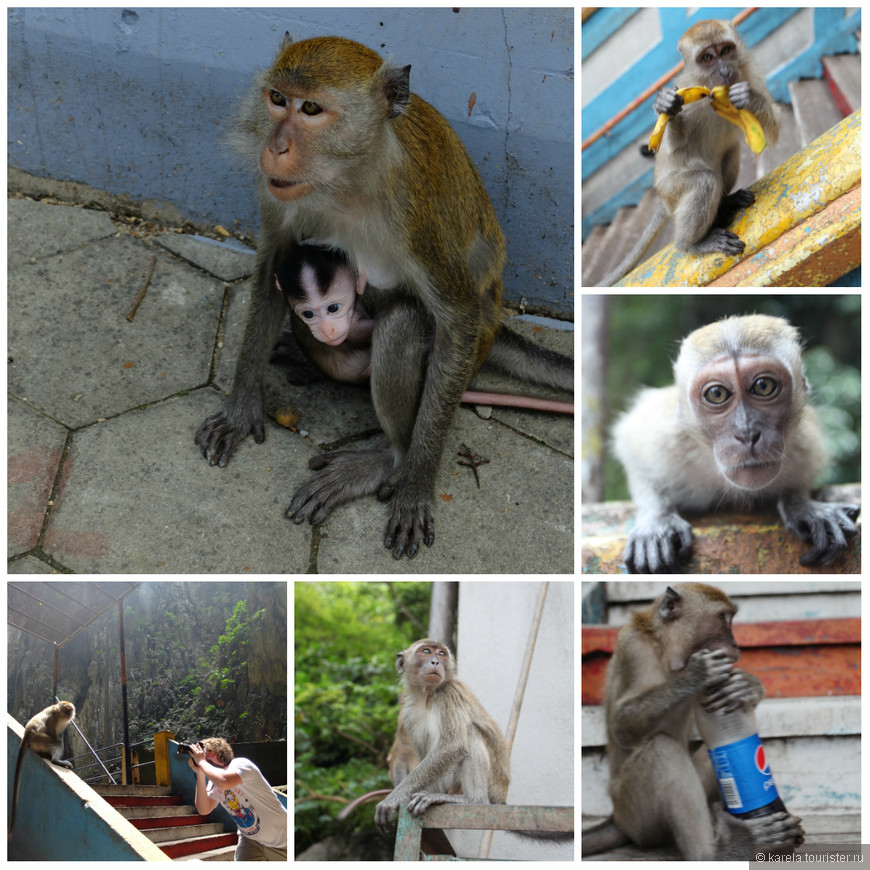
[744, 777]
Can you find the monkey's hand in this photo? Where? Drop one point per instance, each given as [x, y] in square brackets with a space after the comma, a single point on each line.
[668, 102]
[707, 669]
[422, 800]
[739, 690]
[657, 543]
[220, 433]
[825, 525]
[60, 763]
[739, 95]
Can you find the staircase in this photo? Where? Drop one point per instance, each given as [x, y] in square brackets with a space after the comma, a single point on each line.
[175, 828]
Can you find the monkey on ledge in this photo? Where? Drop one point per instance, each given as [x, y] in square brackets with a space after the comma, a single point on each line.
[347, 155]
[734, 430]
[699, 160]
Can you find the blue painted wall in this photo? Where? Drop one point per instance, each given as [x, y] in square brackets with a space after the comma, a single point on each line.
[135, 102]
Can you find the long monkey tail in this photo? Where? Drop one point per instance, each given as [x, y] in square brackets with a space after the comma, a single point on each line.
[14, 807]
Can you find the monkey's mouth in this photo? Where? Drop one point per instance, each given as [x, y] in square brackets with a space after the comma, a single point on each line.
[754, 474]
[282, 188]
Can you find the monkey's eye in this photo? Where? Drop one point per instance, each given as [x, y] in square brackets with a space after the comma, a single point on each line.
[308, 315]
[717, 395]
[764, 387]
[334, 308]
[706, 57]
[276, 98]
[310, 108]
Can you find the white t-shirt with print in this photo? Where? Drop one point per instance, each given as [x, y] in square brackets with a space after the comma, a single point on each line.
[253, 805]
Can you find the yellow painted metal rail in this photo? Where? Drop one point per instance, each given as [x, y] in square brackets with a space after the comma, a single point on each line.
[804, 229]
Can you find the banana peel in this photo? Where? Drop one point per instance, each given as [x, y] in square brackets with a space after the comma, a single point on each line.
[743, 118]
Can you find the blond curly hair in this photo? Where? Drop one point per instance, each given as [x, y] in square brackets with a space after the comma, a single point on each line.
[219, 747]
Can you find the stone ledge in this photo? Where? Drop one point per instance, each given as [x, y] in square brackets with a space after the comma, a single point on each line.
[725, 543]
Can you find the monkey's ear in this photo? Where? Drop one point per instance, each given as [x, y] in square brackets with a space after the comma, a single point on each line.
[670, 604]
[287, 40]
[400, 662]
[396, 88]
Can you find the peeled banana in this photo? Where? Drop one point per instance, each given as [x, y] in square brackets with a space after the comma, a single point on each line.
[743, 118]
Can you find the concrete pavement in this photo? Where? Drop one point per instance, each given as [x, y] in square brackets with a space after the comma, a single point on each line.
[104, 476]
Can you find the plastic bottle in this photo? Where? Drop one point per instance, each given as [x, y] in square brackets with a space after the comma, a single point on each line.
[744, 776]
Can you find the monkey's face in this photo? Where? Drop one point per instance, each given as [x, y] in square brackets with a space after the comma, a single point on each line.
[329, 315]
[743, 405]
[714, 632]
[288, 158]
[427, 661]
[718, 63]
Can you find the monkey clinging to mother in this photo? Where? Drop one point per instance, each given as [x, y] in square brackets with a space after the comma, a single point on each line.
[347, 157]
[735, 430]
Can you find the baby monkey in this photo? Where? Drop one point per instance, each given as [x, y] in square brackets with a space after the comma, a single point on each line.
[42, 734]
[324, 293]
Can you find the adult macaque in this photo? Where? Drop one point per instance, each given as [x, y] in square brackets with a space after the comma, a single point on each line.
[662, 794]
[348, 156]
[699, 159]
[735, 430]
[464, 757]
[42, 734]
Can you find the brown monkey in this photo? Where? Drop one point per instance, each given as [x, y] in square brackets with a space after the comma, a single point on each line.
[459, 743]
[678, 647]
[699, 160]
[347, 155]
[465, 758]
[42, 734]
[735, 430]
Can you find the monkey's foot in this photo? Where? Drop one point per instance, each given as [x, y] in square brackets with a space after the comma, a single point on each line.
[776, 829]
[410, 522]
[220, 433]
[341, 476]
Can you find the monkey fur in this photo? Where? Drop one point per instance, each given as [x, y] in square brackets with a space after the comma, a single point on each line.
[42, 734]
[735, 430]
[678, 647]
[465, 758]
[347, 155]
[699, 160]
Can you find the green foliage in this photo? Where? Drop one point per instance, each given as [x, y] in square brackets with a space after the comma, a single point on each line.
[346, 692]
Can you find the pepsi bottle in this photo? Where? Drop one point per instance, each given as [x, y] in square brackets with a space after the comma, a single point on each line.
[737, 753]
